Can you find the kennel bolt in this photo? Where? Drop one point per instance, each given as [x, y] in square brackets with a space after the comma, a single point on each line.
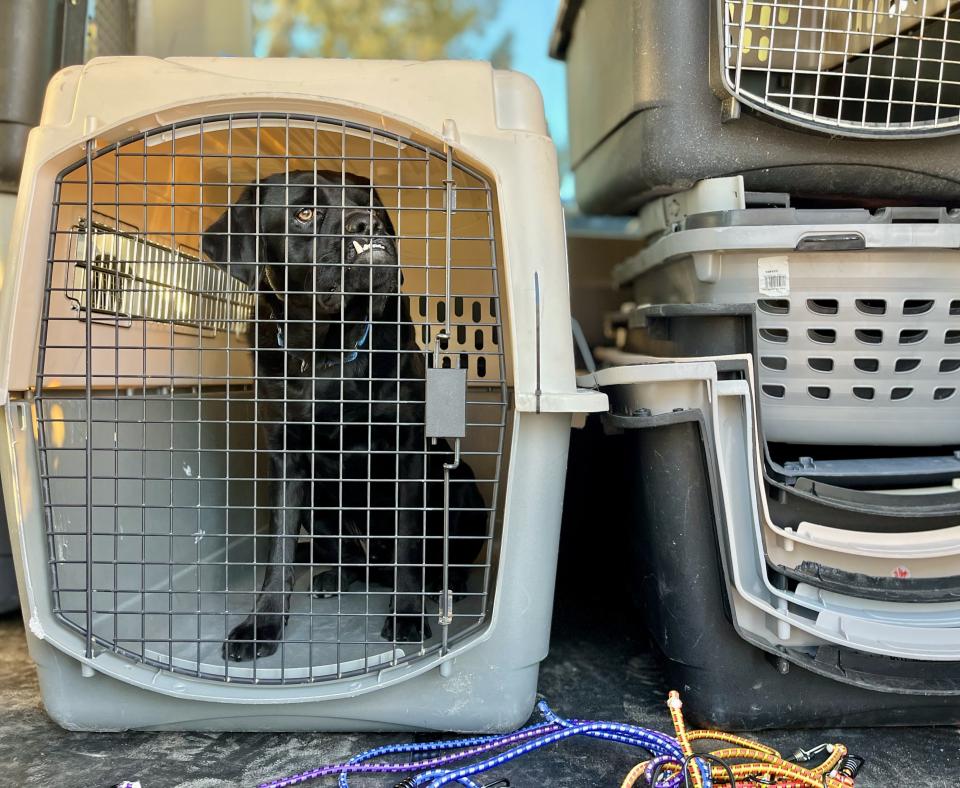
[446, 611]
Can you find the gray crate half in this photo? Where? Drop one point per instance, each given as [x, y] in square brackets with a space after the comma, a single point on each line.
[855, 346]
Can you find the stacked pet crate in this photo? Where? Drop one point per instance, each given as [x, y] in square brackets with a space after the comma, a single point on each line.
[787, 388]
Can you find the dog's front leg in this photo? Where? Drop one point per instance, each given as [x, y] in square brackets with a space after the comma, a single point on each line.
[406, 620]
[260, 634]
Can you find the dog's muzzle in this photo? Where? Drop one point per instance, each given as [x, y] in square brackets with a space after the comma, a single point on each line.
[369, 250]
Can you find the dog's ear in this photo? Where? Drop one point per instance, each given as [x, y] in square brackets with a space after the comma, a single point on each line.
[231, 241]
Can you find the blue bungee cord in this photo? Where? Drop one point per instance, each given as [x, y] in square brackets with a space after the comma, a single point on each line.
[524, 740]
[445, 744]
[652, 741]
[553, 729]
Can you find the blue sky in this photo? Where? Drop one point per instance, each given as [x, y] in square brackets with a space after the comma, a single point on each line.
[531, 22]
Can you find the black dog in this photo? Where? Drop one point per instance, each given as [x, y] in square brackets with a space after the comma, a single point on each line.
[340, 396]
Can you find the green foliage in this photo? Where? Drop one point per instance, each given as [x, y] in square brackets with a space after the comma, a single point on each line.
[404, 29]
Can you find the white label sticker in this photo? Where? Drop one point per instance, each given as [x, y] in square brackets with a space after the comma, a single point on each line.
[774, 276]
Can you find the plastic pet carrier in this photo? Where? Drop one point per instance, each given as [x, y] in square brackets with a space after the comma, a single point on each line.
[288, 384]
[690, 460]
[815, 98]
[857, 327]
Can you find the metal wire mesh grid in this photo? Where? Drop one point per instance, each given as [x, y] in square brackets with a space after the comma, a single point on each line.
[131, 276]
[858, 67]
[262, 416]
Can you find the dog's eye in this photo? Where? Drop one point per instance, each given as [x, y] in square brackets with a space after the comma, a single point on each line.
[305, 214]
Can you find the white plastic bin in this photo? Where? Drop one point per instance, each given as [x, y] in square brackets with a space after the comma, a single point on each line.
[857, 314]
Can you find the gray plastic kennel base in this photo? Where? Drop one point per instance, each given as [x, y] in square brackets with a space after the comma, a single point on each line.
[486, 683]
[481, 695]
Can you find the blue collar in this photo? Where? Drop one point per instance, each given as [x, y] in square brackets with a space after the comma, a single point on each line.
[352, 355]
[348, 358]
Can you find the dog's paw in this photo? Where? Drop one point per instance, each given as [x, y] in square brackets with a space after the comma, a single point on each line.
[406, 628]
[325, 584]
[255, 637]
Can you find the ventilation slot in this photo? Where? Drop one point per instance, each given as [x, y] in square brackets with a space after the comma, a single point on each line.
[823, 306]
[911, 336]
[820, 364]
[955, 307]
[776, 392]
[822, 336]
[864, 392]
[869, 336]
[917, 306]
[867, 364]
[774, 306]
[776, 363]
[819, 392]
[944, 393]
[952, 337]
[871, 306]
[901, 392]
[950, 365]
[906, 364]
[774, 334]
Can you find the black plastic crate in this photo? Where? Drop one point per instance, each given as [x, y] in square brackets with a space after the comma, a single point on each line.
[650, 93]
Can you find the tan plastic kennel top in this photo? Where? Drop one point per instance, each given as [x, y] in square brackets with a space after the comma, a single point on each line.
[492, 121]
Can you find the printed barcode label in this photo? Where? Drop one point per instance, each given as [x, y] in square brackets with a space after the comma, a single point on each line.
[774, 276]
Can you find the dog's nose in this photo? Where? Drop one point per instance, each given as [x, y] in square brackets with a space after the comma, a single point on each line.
[362, 222]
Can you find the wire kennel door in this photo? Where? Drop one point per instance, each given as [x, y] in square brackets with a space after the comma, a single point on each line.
[158, 525]
[858, 67]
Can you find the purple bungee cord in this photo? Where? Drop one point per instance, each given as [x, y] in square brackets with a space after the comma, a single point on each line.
[474, 746]
[524, 740]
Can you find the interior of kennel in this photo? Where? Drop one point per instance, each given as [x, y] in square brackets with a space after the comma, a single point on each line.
[157, 528]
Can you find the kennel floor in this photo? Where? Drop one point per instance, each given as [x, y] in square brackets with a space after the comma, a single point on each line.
[324, 637]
